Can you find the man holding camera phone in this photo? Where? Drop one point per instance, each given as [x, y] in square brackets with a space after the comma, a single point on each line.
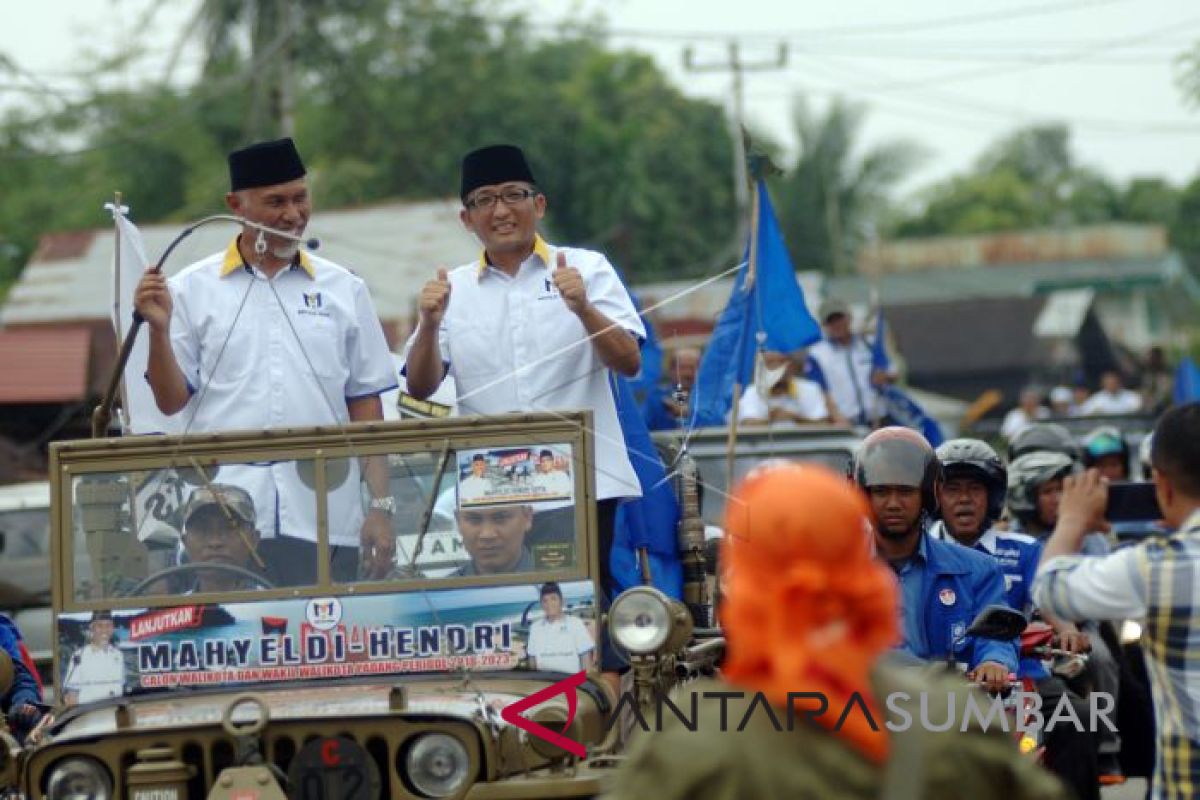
[1156, 581]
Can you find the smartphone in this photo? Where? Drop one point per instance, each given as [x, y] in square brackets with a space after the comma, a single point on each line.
[1132, 502]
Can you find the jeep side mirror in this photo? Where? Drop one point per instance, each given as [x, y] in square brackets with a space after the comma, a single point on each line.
[997, 622]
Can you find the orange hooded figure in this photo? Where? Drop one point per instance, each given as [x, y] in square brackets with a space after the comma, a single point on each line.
[807, 607]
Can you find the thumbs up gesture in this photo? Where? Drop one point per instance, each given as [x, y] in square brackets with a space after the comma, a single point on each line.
[570, 285]
[435, 297]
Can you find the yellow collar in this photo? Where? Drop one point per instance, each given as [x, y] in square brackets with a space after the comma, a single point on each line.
[540, 249]
[233, 260]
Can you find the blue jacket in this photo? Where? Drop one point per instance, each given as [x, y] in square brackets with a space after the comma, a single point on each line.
[958, 583]
[25, 687]
[1017, 555]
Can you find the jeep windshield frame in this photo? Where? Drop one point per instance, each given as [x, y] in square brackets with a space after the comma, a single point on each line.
[75, 463]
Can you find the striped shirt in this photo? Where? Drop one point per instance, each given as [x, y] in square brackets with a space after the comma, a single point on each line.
[1157, 582]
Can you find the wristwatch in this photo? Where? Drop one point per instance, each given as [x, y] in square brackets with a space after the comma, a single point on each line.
[385, 504]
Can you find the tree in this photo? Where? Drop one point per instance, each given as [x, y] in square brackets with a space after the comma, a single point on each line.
[1189, 76]
[833, 196]
[389, 95]
[1185, 230]
[1029, 179]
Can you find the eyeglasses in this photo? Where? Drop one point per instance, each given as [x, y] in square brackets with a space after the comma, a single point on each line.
[485, 202]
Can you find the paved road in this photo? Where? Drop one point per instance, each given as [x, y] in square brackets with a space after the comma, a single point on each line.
[1132, 789]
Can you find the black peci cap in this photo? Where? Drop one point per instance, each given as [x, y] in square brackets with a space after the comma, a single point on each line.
[265, 164]
[497, 163]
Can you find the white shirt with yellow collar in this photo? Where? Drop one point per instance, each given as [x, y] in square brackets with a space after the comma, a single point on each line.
[288, 351]
[511, 344]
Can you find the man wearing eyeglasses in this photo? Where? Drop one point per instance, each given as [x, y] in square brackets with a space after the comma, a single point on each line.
[529, 326]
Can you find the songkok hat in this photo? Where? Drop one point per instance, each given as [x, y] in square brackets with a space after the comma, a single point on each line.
[497, 163]
[235, 500]
[264, 164]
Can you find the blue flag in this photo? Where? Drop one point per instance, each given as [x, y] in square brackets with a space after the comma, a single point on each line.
[908, 412]
[1187, 382]
[645, 385]
[773, 304]
[879, 354]
[652, 520]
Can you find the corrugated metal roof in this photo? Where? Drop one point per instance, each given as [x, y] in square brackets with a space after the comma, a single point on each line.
[395, 247]
[44, 365]
[1015, 280]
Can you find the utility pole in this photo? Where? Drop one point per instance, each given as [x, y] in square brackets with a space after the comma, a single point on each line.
[737, 67]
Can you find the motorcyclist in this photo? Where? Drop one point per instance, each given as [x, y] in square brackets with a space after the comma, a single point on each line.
[1035, 482]
[971, 499]
[1044, 437]
[1105, 449]
[944, 586]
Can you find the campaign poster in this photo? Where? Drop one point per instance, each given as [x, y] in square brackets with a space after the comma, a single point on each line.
[549, 627]
[538, 474]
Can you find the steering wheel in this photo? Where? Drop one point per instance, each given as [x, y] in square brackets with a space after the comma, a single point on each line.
[207, 566]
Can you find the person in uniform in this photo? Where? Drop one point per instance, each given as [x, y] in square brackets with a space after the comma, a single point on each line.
[970, 500]
[558, 642]
[944, 586]
[263, 335]
[96, 670]
[808, 608]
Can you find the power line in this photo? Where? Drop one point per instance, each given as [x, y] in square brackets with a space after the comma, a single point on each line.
[937, 23]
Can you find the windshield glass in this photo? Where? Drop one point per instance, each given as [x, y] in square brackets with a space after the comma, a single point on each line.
[212, 567]
[226, 526]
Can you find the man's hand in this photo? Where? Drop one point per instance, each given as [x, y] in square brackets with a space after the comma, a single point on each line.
[378, 546]
[152, 299]
[992, 676]
[435, 298]
[880, 377]
[1072, 639]
[570, 285]
[1084, 501]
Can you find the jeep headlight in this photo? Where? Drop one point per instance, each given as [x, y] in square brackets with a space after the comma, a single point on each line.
[437, 764]
[643, 620]
[79, 779]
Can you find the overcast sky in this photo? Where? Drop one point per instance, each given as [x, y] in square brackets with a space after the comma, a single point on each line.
[953, 75]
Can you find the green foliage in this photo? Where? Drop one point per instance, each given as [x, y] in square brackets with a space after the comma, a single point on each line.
[1189, 76]
[1030, 179]
[1185, 229]
[387, 97]
[830, 201]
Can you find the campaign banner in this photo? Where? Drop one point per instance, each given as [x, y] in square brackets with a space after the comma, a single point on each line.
[544, 626]
[540, 474]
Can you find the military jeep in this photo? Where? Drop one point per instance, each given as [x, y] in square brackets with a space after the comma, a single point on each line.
[191, 665]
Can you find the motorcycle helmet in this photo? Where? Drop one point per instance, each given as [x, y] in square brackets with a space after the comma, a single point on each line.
[1104, 441]
[896, 456]
[1044, 437]
[972, 458]
[1027, 474]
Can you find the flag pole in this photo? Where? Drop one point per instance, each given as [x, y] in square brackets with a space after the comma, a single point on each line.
[118, 209]
[747, 286]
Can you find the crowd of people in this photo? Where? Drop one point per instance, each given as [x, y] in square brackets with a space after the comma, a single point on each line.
[1111, 397]
[951, 531]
